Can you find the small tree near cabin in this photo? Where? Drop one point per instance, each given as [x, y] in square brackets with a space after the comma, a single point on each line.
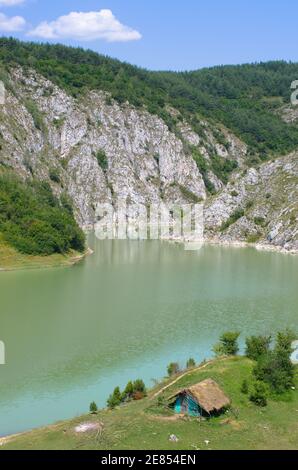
[173, 369]
[257, 346]
[228, 344]
[259, 394]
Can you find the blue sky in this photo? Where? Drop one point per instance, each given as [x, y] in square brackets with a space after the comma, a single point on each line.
[162, 34]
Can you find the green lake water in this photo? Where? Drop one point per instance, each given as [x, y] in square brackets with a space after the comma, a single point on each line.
[73, 334]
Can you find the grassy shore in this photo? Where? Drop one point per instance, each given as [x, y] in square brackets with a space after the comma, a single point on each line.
[147, 425]
[11, 259]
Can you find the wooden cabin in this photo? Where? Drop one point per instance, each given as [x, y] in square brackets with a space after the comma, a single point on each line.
[203, 399]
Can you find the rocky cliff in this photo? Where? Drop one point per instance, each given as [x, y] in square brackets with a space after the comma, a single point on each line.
[93, 149]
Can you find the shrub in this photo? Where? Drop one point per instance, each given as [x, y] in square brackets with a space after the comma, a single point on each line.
[257, 346]
[190, 363]
[139, 386]
[274, 367]
[173, 369]
[228, 345]
[36, 115]
[254, 237]
[138, 396]
[54, 175]
[93, 408]
[115, 399]
[245, 387]
[128, 392]
[284, 340]
[276, 370]
[237, 214]
[102, 160]
[203, 167]
[259, 394]
[259, 221]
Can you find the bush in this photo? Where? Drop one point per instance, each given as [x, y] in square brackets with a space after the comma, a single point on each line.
[133, 391]
[274, 367]
[284, 340]
[190, 363]
[237, 214]
[276, 370]
[228, 345]
[245, 387]
[93, 408]
[139, 386]
[173, 369]
[257, 346]
[138, 396]
[54, 175]
[128, 392]
[36, 115]
[115, 399]
[259, 394]
[102, 160]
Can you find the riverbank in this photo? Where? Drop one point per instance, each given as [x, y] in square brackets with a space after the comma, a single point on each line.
[257, 246]
[12, 260]
[145, 424]
[237, 244]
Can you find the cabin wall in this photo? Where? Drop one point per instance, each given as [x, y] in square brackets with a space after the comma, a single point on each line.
[185, 404]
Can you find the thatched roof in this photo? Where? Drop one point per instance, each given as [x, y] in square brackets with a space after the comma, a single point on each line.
[208, 395]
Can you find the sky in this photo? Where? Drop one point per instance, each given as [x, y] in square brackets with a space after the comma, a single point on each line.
[161, 34]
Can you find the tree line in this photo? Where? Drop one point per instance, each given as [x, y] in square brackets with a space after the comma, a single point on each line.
[244, 98]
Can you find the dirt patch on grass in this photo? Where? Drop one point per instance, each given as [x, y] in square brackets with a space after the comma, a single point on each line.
[175, 417]
[237, 425]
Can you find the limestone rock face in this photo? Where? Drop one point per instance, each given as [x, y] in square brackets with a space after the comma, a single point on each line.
[96, 151]
[259, 207]
[42, 129]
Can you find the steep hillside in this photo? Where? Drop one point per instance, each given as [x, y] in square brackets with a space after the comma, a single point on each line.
[146, 424]
[243, 98]
[259, 206]
[97, 130]
[96, 150]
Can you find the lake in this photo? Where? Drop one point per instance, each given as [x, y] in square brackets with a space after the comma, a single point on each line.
[125, 312]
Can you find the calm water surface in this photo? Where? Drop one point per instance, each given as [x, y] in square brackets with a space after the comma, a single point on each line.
[125, 312]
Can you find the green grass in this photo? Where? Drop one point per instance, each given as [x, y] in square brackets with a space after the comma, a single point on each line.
[145, 425]
[11, 259]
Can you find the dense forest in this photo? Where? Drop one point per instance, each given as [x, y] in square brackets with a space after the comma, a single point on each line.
[243, 98]
[33, 220]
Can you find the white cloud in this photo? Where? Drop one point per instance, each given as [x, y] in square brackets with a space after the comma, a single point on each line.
[11, 3]
[86, 27]
[14, 23]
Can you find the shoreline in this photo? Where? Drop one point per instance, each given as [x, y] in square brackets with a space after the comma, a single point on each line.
[68, 261]
[235, 244]
[257, 246]
[145, 414]
[77, 258]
